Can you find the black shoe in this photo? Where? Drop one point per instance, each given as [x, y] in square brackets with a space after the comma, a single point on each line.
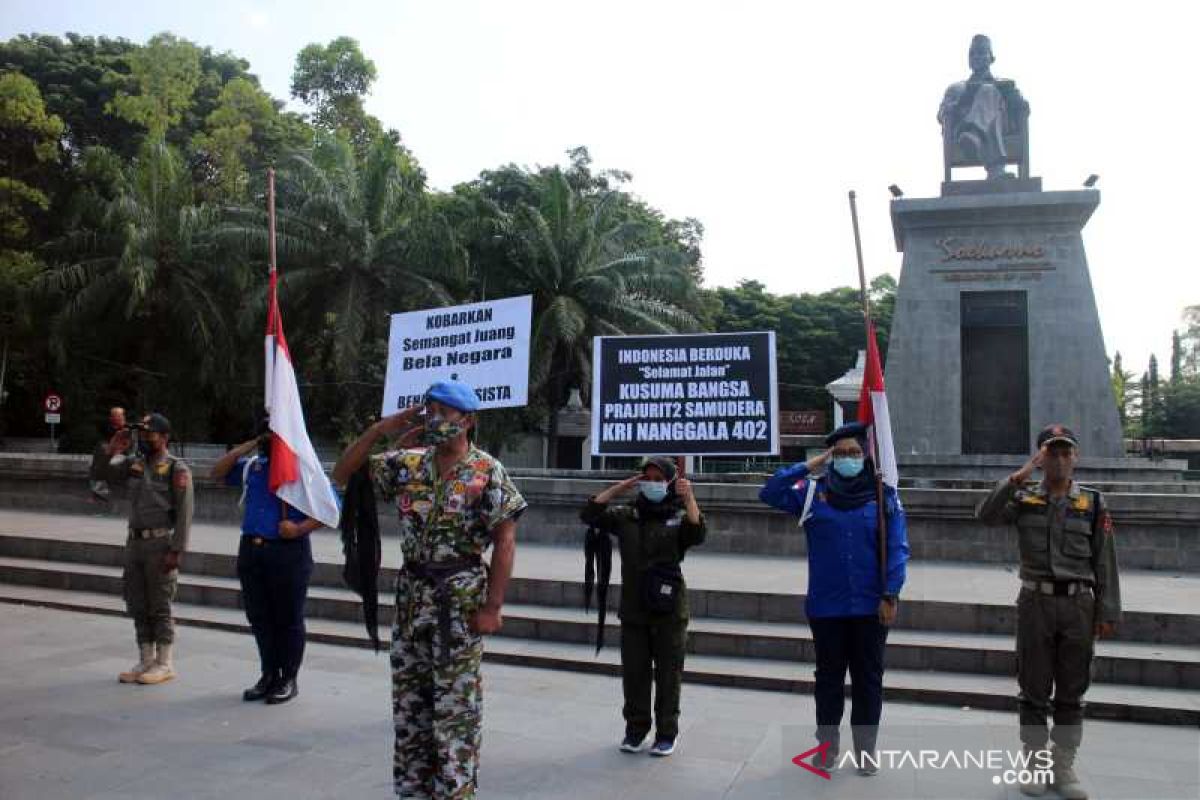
[663, 746]
[631, 743]
[258, 691]
[283, 691]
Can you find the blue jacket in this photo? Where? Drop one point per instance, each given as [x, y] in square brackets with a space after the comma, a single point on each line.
[843, 551]
[263, 511]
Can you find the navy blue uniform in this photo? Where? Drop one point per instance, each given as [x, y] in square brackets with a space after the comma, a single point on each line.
[274, 572]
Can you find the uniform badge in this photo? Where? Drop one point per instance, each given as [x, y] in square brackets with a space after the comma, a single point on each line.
[422, 508]
[1106, 524]
[454, 504]
[162, 468]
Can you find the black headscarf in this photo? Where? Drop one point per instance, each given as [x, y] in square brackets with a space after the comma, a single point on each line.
[847, 494]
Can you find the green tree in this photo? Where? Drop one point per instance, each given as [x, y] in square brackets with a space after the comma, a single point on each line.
[28, 138]
[164, 75]
[818, 335]
[355, 243]
[574, 255]
[227, 138]
[1123, 386]
[140, 284]
[333, 79]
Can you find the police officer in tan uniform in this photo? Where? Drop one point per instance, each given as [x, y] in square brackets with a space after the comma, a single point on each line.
[160, 518]
[1070, 595]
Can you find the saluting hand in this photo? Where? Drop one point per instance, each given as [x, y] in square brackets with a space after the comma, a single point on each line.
[1026, 470]
[683, 488]
[819, 460]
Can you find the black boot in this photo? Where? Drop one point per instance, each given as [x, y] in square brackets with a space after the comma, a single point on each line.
[282, 691]
[259, 690]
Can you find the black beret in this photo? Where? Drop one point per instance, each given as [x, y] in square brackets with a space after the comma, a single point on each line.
[851, 430]
[665, 465]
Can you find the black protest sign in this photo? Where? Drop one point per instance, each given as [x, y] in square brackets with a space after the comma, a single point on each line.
[701, 394]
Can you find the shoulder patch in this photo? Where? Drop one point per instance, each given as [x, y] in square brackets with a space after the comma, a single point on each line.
[1030, 499]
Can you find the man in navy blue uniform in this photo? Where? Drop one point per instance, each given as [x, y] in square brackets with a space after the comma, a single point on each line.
[274, 565]
[849, 607]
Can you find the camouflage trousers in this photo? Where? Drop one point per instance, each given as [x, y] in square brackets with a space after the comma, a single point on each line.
[148, 590]
[437, 707]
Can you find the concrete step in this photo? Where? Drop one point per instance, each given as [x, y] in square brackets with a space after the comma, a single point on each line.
[1166, 666]
[939, 597]
[1105, 701]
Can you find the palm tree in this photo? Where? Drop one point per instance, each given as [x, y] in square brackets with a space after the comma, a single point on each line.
[141, 283]
[575, 255]
[355, 243]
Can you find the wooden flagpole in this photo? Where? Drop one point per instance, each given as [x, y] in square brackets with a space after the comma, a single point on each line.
[881, 516]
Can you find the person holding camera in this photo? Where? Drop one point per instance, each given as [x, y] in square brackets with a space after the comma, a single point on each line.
[654, 532]
[274, 565]
[160, 518]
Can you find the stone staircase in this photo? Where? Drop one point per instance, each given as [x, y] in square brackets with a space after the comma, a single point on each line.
[952, 643]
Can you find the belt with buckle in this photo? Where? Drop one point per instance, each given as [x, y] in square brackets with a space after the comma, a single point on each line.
[439, 573]
[1056, 587]
[149, 533]
[259, 541]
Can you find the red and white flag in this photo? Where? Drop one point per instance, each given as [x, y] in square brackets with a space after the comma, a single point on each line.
[295, 473]
[873, 411]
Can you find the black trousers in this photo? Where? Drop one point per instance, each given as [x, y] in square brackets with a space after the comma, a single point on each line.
[854, 643]
[652, 656]
[274, 574]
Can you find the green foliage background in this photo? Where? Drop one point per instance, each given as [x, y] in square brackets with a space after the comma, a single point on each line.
[133, 246]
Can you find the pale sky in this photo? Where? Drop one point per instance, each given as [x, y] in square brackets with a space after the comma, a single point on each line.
[758, 117]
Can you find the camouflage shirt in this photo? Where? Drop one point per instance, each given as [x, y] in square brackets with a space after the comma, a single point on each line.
[444, 520]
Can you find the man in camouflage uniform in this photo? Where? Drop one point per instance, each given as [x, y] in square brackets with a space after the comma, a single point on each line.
[454, 501]
[1070, 595]
[160, 518]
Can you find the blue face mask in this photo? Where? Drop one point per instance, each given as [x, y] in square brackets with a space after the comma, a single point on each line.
[654, 491]
[848, 467]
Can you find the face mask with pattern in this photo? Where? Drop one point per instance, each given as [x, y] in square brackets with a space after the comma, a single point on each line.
[439, 430]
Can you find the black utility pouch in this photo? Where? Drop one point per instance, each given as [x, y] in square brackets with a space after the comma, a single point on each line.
[664, 583]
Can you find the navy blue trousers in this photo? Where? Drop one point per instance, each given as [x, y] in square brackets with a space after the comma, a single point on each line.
[274, 577]
[854, 643]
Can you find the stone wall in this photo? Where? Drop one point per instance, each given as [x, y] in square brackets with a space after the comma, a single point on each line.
[1154, 530]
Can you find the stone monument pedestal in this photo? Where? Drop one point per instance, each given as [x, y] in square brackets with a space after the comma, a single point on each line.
[996, 332]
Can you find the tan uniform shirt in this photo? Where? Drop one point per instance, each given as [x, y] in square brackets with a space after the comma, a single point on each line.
[160, 496]
[1061, 539]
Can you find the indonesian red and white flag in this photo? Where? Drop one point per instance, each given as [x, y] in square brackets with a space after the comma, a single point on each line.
[295, 473]
[873, 411]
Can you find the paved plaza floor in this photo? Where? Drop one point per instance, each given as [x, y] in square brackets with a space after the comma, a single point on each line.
[69, 730]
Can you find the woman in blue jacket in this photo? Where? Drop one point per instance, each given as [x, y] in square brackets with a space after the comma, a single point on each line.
[849, 608]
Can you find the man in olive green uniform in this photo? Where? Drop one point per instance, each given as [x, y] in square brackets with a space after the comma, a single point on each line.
[655, 532]
[455, 501]
[160, 518]
[1070, 595]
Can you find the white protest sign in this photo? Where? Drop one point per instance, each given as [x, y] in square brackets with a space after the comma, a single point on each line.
[484, 345]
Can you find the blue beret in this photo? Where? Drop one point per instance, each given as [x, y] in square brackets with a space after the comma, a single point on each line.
[851, 430]
[454, 394]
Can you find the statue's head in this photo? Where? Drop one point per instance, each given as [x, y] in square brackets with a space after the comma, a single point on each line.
[980, 56]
